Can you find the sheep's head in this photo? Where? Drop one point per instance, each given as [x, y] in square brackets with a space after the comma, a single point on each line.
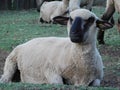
[82, 25]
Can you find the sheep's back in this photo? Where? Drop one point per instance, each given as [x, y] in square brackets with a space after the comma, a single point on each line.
[40, 53]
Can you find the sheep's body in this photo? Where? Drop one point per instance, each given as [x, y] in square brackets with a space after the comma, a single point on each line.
[55, 58]
[52, 59]
[51, 9]
[111, 7]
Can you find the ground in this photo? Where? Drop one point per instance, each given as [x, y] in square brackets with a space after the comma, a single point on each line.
[111, 58]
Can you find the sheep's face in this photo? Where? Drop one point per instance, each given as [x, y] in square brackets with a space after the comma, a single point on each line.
[82, 30]
[82, 25]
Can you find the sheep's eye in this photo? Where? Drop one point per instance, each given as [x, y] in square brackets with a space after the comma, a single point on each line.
[70, 20]
[90, 20]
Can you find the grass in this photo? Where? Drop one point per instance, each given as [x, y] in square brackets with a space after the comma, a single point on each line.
[17, 27]
[24, 86]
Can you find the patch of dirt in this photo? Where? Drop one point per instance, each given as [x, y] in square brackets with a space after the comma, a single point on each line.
[112, 66]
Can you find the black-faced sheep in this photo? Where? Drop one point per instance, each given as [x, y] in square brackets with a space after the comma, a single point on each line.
[111, 7]
[53, 59]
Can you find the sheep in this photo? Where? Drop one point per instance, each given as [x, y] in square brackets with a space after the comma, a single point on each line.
[51, 9]
[87, 4]
[84, 3]
[111, 7]
[54, 60]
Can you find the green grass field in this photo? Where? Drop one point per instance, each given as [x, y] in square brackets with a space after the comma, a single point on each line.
[17, 27]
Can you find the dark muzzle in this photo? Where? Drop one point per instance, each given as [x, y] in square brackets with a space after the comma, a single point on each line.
[76, 31]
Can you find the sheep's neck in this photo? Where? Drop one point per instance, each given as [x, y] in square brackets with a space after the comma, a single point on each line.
[83, 62]
[81, 53]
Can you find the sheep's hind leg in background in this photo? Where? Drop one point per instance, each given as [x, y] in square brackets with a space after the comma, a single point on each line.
[106, 16]
[118, 25]
[9, 68]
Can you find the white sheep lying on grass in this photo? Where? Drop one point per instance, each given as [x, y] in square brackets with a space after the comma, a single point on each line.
[111, 7]
[84, 3]
[51, 9]
[53, 59]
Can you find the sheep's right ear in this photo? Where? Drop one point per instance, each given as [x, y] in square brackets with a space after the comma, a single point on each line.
[60, 20]
[104, 24]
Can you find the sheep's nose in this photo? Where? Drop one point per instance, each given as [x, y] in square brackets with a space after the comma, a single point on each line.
[77, 25]
[76, 32]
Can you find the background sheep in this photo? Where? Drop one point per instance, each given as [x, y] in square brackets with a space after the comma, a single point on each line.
[84, 3]
[111, 6]
[52, 59]
[87, 4]
[74, 4]
[51, 9]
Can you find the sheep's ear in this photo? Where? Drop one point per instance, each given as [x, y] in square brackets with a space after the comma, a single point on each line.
[60, 20]
[103, 24]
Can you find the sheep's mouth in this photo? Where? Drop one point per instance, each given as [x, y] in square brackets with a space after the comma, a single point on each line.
[76, 38]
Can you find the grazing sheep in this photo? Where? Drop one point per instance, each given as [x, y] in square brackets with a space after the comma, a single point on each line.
[51, 9]
[53, 59]
[111, 7]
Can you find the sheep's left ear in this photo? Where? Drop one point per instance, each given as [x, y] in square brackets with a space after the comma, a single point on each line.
[103, 24]
[60, 20]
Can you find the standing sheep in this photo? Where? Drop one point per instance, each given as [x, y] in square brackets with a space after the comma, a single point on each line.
[51, 9]
[53, 59]
[111, 7]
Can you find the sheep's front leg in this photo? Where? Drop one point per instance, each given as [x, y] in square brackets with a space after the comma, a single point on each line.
[52, 76]
[55, 79]
[96, 82]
